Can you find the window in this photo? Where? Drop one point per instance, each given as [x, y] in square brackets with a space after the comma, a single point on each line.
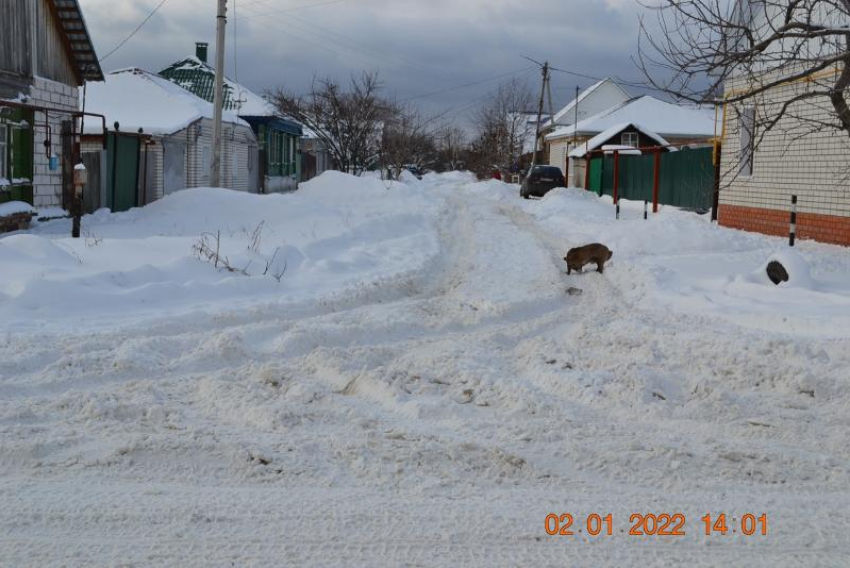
[630, 139]
[206, 156]
[747, 132]
[4, 152]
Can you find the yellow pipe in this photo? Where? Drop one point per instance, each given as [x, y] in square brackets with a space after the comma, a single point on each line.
[807, 79]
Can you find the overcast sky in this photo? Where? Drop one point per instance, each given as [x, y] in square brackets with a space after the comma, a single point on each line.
[419, 46]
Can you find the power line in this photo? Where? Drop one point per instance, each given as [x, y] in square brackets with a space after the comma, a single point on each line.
[138, 28]
[335, 37]
[465, 85]
[634, 84]
[296, 8]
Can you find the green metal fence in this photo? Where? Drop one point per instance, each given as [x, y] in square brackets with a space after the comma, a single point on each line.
[686, 178]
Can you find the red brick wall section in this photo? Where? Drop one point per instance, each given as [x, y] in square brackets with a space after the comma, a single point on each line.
[823, 228]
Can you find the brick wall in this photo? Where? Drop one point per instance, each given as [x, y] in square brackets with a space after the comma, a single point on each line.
[825, 228]
[792, 159]
[47, 184]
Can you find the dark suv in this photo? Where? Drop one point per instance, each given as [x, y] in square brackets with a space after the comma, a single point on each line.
[540, 180]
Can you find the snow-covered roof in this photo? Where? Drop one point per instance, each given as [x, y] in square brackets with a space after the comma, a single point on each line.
[597, 141]
[136, 98]
[198, 77]
[667, 119]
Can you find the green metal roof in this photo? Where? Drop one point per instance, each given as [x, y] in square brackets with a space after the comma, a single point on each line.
[199, 79]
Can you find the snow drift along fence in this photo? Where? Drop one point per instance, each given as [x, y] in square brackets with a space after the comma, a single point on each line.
[686, 178]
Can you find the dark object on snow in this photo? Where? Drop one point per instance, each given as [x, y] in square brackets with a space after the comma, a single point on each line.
[777, 273]
[574, 291]
[596, 253]
[541, 180]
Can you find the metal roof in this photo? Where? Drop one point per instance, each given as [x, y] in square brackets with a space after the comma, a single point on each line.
[199, 79]
[77, 39]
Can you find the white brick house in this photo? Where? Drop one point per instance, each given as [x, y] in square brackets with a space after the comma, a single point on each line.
[759, 179]
[45, 55]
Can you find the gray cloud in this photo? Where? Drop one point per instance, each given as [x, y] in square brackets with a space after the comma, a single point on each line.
[418, 46]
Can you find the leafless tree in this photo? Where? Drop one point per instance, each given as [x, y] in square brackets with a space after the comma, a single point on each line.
[408, 139]
[452, 148]
[500, 127]
[349, 122]
[698, 48]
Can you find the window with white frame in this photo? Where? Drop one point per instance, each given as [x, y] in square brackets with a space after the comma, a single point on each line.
[4, 152]
[630, 139]
[747, 133]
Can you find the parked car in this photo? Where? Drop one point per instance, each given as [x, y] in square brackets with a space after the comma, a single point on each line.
[540, 180]
[417, 173]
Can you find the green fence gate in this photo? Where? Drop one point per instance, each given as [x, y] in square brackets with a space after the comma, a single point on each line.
[686, 178]
[122, 171]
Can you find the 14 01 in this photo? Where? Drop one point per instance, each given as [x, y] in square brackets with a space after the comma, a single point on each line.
[749, 525]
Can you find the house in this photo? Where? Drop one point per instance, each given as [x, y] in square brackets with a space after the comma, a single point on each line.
[597, 98]
[639, 122]
[46, 53]
[160, 140]
[281, 148]
[800, 156]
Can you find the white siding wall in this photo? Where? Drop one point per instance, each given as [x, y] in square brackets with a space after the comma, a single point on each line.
[236, 140]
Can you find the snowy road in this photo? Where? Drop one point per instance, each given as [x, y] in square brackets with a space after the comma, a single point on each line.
[432, 418]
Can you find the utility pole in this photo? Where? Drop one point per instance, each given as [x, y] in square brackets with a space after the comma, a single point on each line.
[218, 100]
[543, 89]
[575, 124]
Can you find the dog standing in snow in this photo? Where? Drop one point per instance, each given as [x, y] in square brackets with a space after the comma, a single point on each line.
[595, 253]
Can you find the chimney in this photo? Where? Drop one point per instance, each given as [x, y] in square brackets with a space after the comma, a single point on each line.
[201, 50]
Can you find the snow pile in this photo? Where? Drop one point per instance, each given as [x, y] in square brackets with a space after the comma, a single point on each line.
[215, 249]
[14, 207]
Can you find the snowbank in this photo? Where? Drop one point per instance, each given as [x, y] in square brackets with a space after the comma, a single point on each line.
[337, 233]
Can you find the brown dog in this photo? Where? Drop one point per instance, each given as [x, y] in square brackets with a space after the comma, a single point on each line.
[596, 253]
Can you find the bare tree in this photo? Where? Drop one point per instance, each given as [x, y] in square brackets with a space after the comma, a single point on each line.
[408, 139]
[500, 126]
[349, 122]
[452, 149]
[701, 46]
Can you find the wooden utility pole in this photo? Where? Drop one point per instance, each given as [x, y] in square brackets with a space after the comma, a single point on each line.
[218, 100]
[543, 89]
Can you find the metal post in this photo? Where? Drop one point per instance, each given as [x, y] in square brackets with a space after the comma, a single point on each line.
[715, 204]
[80, 180]
[645, 209]
[114, 163]
[617, 178]
[617, 208]
[218, 100]
[793, 233]
[656, 181]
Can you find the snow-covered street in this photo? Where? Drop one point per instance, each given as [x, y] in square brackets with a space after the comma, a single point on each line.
[395, 375]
